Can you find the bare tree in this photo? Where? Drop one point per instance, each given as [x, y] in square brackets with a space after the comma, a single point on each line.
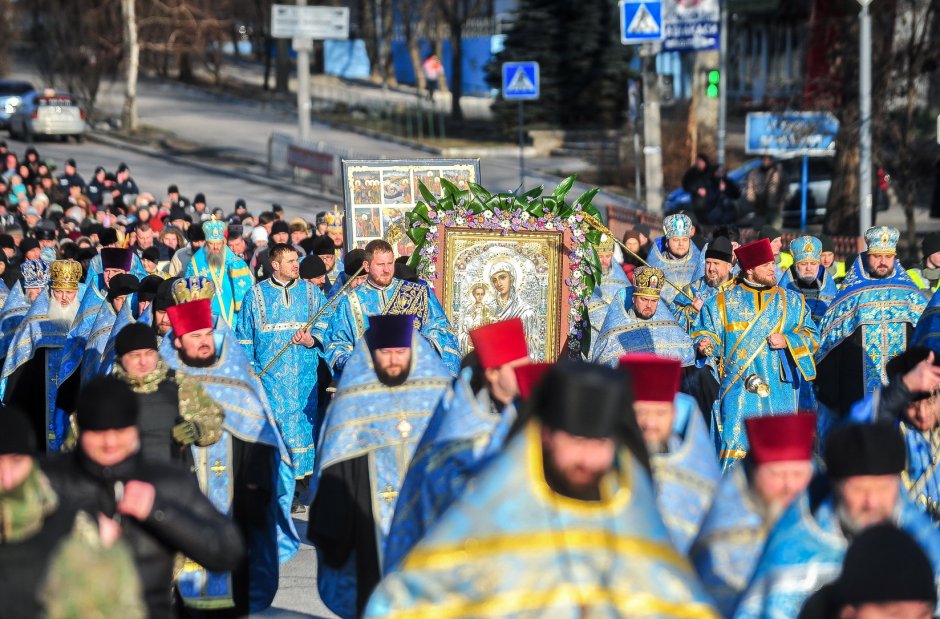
[132, 58]
[455, 14]
[7, 34]
[182, 30]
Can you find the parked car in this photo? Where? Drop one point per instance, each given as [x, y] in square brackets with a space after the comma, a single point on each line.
[49, 112]
[820, 179]
[11, 95]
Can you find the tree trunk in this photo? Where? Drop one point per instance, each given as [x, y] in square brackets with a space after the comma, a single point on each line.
[185, 68]
[370, 38]
[456, 69]
[129, 119]
[388, 23]
[267, 64]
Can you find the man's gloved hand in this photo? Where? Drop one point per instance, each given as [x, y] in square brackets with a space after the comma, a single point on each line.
[185, 432]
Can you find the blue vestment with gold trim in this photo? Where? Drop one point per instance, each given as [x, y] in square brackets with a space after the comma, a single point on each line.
[94, 296]
[464, 432]
[231, 385]
[681, 272]
[624, 332]
[739, 321]
[97, 340]
[681, 304]
[232, 282]
[687, 476]
[805, 550]
[921, 478]
[95, 271]
[35, 332]
[369, 418]
[13, 312]
[512, 547]
[351, 319]
[817, 299]
[730, 541]
[927, 331]
[269, 317]
[601, 298]
[882, 308]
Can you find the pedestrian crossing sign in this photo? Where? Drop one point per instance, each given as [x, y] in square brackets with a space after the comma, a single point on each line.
[520, 81]
[641, 21]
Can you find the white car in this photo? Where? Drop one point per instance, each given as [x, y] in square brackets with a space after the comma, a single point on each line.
[49, 112]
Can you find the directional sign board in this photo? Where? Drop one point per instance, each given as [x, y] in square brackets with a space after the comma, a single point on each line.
[520, 81]
[309, 22]
[793, 133]
[641, 21]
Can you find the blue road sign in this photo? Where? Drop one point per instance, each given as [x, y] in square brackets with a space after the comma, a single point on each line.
[521, 81]
[641, 21]
[793, 133]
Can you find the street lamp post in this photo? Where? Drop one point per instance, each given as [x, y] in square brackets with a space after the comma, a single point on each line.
[864, 112]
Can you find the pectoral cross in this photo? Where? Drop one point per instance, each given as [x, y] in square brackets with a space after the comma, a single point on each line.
[389, 495]
[218, 468]
[404, 428]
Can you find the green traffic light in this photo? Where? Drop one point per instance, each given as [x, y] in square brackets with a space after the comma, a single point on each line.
[714, 76]
[712, 91]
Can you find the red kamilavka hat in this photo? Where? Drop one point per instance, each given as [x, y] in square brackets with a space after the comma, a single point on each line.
[779, 438]
[655, 378]
[191, 316]
[499, 343]
[528, 375]
[754, 254]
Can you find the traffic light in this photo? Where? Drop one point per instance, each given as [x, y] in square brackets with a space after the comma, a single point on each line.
[714, 81]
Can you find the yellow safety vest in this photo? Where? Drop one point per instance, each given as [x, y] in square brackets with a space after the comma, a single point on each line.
[919, 281]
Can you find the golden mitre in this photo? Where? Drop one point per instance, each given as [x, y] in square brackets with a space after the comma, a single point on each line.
[648, 282]
[334, 219]
[65, 274]
[606, 245]
[193, 289]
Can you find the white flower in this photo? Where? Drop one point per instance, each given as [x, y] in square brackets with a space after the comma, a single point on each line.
[432, 230]
[460, 221]
[487, 215]
[549, 225]
[505, 224]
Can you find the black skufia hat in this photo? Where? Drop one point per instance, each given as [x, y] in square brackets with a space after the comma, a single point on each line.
[353, 261]
[885, 564]
[17, 435]
[122, 284]
[312, 266]
[135, 336]
[865, 449]
[591, 401]
[720, 249]
[164, 297]
[149, 287]
[106, 403]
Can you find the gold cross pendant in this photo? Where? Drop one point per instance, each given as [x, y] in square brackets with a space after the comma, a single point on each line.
[389, 495]
[218, 468]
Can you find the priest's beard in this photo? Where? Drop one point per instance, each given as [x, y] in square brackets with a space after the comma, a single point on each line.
[762, 280]
[196, 363]
[714, 282]
[215, 260]
[391, 381]
[852, 527]
[66, 314]
[559, 482]
[806, 281]
[657, 447]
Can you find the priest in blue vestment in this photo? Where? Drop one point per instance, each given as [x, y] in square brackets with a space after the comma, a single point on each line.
[685, 469]
[393, 382]
[115, 261]
[561, 523]
[383, 294]
[870, 321]
[808, 277]
[120, 298]
[35, 355]
[807, 545]
[748, 502]
[764, 340]
[273, 317]
[927, 331]
[638, 321]
[229, 273]
[718, 277]
[34, 276]
[465, 429]
[137, 308]
[108, 240]
[613, 279]
[352, 265]
[247, 473]
[674, 253]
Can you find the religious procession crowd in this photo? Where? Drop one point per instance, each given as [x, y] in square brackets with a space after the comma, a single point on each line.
[748, 432]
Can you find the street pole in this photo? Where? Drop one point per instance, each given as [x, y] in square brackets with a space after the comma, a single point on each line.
[652, 132]
[303, 47]
[723, 83]
[521, 148]
[864, 110]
